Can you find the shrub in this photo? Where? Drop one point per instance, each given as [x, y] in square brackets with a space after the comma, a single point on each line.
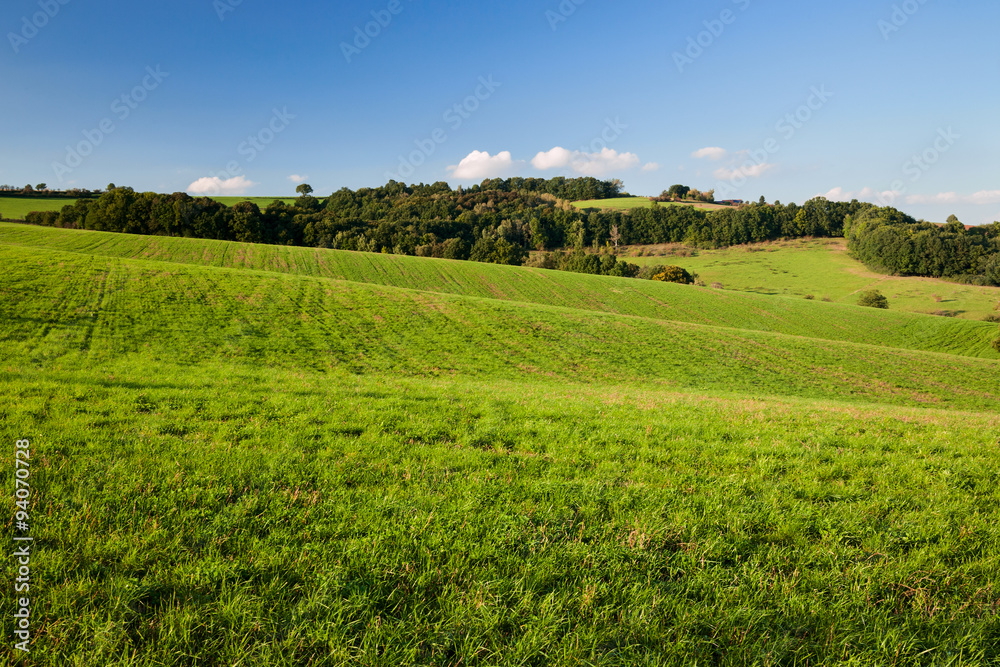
[673, 274]
[716, 285]
[992, 317]
[810, 297]
[827, 299]
[873, 299]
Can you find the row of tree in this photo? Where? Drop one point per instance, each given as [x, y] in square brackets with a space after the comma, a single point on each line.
[501, 220]
[434, 220]
[889, 241]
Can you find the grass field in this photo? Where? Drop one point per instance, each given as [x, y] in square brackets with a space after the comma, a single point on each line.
[638, 298]
[15, 208]
[625, 203]
[245, 455]
[821, 268]
[262, 202]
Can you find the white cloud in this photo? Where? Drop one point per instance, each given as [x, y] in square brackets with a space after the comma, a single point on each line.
[586, 164]
[651, 166]
[603, 163]
[884, 198]
[295, 178]
[218, 187]
[710, 153]
[751, 171]
[480, 164]
[982, 197]
[554, 159]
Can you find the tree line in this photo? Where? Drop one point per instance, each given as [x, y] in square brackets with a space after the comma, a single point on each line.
[501, 220]
[890, 241]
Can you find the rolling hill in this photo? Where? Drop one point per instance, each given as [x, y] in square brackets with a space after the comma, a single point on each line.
[535, 286]
[268, 455]
[821, 268]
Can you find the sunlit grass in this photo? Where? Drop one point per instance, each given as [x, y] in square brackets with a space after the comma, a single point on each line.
[241, 456]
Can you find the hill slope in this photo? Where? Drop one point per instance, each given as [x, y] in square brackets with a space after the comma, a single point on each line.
[611, 295]
[822, 268]
[254, 467]
[114, 308]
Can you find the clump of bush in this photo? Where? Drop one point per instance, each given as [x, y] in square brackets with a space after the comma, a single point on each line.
[809, 297]
[873, 299]
[716, 285]
[996, 345]
[827, 299]
[992, 317]
[673, 274]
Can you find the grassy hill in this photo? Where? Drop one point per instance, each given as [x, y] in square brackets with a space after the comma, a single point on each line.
[262, 202]
[16, 208]
[625, 203]
[822, 268]
[259, 456]
[534, 286]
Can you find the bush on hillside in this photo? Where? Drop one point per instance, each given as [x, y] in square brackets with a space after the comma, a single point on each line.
[673, 274]
[996, 345]
[873, 299]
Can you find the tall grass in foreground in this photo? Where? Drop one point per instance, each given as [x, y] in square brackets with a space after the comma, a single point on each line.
[249, 467]
[221, 515]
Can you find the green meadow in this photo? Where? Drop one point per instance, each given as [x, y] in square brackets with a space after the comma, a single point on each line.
[16, 208]
[626, 203]
[262, 202]
[257, 455]
[821, 268]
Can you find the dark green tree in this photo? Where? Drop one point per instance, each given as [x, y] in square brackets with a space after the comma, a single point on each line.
[873, 299]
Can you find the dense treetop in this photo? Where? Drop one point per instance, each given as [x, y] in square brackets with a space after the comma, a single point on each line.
[501, 220]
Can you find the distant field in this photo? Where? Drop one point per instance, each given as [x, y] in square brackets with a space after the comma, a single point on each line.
[254, 455]
[625, 203]
[261, 202]
[15, 208]
[821, 268]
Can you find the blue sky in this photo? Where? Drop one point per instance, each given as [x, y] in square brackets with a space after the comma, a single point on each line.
[892, 101]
